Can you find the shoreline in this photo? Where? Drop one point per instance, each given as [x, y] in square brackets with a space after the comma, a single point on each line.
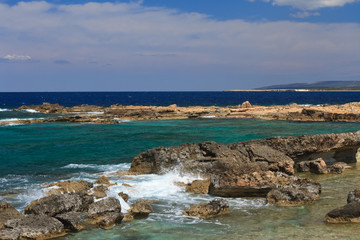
[116, 114]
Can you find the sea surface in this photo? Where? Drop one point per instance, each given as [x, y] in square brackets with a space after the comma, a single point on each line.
[33, 154]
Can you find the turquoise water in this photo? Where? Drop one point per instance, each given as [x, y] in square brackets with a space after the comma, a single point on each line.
[33, 154]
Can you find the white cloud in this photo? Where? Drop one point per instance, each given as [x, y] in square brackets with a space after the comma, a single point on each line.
[15, 58]
[304, 14]
[310, 4]
[134, 38]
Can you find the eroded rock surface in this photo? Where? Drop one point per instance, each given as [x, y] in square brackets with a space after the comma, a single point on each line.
[348, 213]
[298, 192]
[69, 186]
[198, 187]
[214, 208]
[141, 209]
[105, 213]
[8, 212]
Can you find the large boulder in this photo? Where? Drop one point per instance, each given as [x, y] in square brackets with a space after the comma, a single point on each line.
[105, 213]
[209, 158]
[299, 192]
[32, 227]
[8, 212]
[208, 210]
[58, 204]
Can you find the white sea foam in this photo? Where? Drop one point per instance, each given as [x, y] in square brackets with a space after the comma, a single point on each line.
[95, 113]
[103, 168]
[31, 111]
[4, 110]
[122, 120]
[208, 117]
[17, 119]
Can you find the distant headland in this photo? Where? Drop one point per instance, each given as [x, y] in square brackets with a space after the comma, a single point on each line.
[307, 87]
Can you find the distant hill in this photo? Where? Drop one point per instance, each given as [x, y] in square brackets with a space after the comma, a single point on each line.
[336, 85]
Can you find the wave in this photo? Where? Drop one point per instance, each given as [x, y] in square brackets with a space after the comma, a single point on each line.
[5, 110]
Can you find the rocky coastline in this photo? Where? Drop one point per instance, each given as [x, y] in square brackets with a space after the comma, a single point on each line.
[264, 168]
[116, 114]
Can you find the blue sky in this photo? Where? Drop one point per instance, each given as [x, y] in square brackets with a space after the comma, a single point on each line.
[164, 45]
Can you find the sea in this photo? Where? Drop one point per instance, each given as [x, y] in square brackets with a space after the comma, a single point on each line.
[31, 155]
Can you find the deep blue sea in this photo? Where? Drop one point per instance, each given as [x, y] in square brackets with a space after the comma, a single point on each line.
[11, 100]
[33, 154]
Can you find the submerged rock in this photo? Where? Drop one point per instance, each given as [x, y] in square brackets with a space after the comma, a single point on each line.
[32, 227]
[198, 187]
[299, 192]
[8, 212]
[58, 204]
[214, 208]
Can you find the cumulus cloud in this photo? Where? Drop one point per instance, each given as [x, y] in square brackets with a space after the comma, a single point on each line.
[310, 4]
[130, 36]
[15, 58]
[304, 14]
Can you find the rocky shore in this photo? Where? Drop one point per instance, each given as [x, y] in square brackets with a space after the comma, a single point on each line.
[116, 114]
[264, 168]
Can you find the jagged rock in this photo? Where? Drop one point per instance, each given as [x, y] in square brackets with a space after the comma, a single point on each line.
[58, 204]
[73, 221]
[255, 184]
[32, 227]
[198, 187]
[354, 196]
[339, 167]
[141, 209]
[8, 212]
[69, 187]
[299, 192]
[315, 166]
[128, 217]
[105, 213]
[100, 191]
[246, 104]
[124, 196]
[208, 210]
[103, 180]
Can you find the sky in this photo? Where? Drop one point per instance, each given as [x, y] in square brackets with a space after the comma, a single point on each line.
[176, 45]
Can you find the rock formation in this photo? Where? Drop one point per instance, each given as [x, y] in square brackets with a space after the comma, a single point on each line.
[298, 192]
[8, 212]
[214, 208]
[348, 213]
[198, 187]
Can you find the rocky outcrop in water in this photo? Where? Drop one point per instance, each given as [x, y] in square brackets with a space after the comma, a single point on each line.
[295, 193]
[214, 208]
[348, 213]
[319, 166]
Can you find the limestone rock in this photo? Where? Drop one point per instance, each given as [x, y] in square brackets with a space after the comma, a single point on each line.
[208, 210]
[8, 212]
[73, 221]
[246, 104]
[124, 196]
[338, 167]
[58, 204]
[105, 213]
[69, 187]
[141, 209]
[255, 184]
[198, 187]
[354, 196]
[299, 192]
[33, 227]
[100, 191]
[315, 166]
[348, 213]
